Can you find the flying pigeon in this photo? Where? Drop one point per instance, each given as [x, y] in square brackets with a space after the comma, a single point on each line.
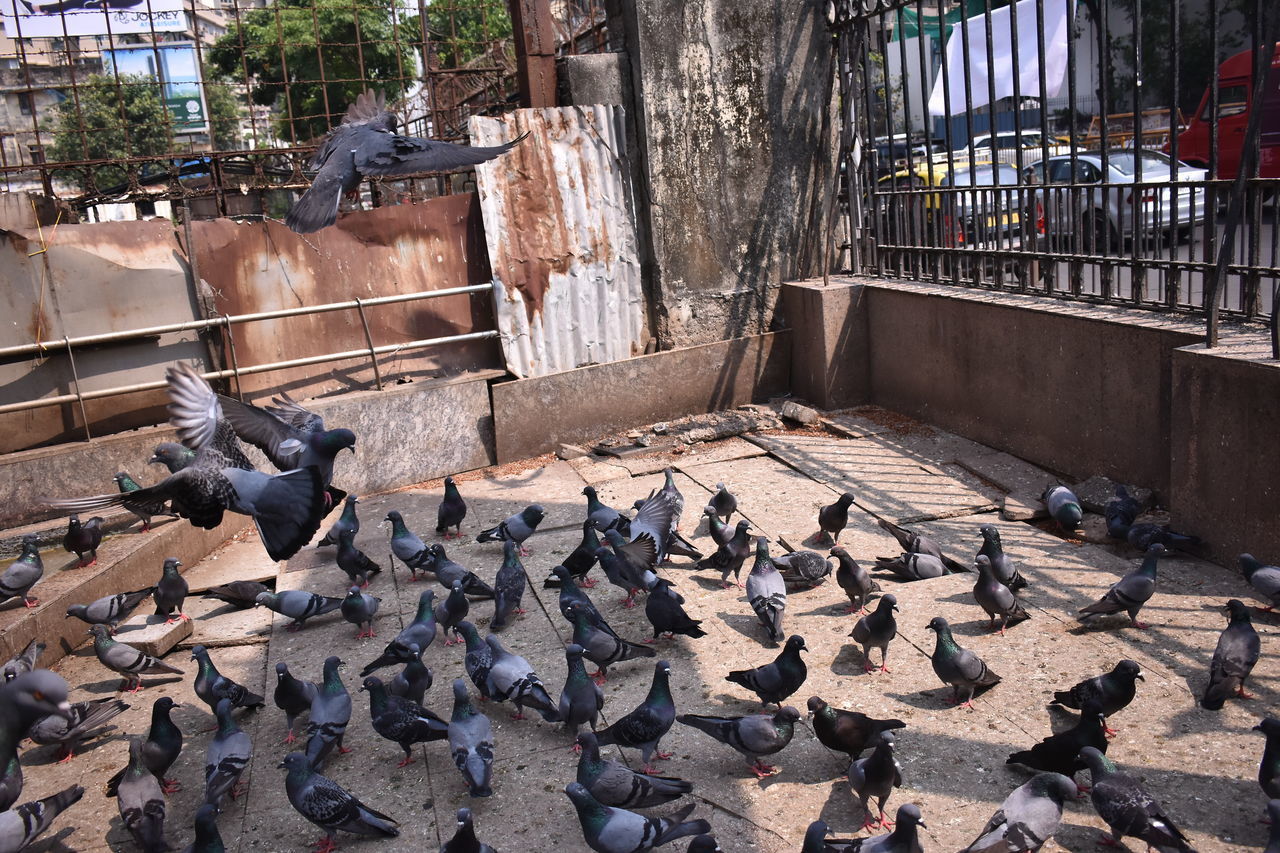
[512, 678]
[229, 753]
[856, 581]
[995, 598]
[778, 679]
[406, 546]
[366, 145]
[644, 727]
[359, 608]
[1028, 817]
[293, 696]
[1112, 691]
[21, 826]
[1126, 807]
[348, 521]
[754, 736]
[401, 721]
[170, 593]
[723, 502]
[917, 543]
[329, 715]
[464, 837]
[85, 538]
[912, 567]
[876, 776]
[160, 749]
[1064, 507]
[600, 644]
[141, 802]
[615, 784]
[767, 591]
[508, 587]
[729, 557]
[471, 742]
[126, 660]
[850, 732]
[1265, 579]
[664, 611]
[110, 610]
[581, 699]
[330, 806]
[959, 667]
[876, 630]
[357, 565]
[239, 594]
[299, 605]
[212, 686]
[1001, 563]
[516, 528]
[420, 632]
[1059, 753]
[612, 830]
[172, 455]
[414, 680]
[1130, 592]
[451, 512]
[142, 510]
[1233, 659]
[833, 518]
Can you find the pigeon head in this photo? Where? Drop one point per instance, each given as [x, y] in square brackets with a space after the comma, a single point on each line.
[990, 534]
[164, 703]
[1237, 610]
[909, 815]
[1096, 761]
[264, 598]
[1249, 564]
[282, 671]
[590, 492]
[1128, 669]
[464, 817]
[562, 573]
[589, 808]
[887, 602]
[845, 499]
[588, 742]
[76, 610]
[533, 514]
[743, 526]
[573, 650]
[1055, 786]
[372, 684]
[816, 705]
[294, 762]
[890, 742]
[786, 714]
[460, 694]
[99, 632]
[983, 563]
[762, 548]
[199, 652]
[815, 835]
[353, 592]
[795, 643]
[938, 624]
[335, 441]
[120, 477]
[1269, 726]
[171, 565]
[710, 511]
[704, 844]
[37, 694]
[1155, 549]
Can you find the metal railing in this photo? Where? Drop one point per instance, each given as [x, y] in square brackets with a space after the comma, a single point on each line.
[967, 157]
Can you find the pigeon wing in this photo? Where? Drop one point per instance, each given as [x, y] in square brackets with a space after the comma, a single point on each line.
[282, 443]
[392, 154]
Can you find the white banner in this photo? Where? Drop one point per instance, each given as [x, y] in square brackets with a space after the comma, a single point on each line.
[58, 18]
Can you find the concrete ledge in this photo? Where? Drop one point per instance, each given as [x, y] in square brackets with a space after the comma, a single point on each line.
[533, 416]
[829, 361]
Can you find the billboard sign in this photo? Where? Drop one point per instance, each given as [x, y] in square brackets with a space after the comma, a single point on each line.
[174, 64]
[59, 18]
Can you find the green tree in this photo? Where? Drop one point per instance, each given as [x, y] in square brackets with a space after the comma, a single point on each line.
[290, 47]
[461, 30]
[224, 113]
[106, 121]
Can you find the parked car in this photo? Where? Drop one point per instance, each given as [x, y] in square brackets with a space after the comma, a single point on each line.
[975, 205]
[1003, 147]
[1104, 204]
[1235, 96]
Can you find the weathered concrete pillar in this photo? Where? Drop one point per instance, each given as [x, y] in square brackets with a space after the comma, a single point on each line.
[829, 343]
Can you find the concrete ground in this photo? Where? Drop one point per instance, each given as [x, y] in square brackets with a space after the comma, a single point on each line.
[1201, 765]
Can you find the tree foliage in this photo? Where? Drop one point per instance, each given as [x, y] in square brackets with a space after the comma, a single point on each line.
[106, 121]
[224, 113]
[461, 30]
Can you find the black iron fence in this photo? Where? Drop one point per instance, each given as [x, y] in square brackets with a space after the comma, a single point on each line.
[1117, 151]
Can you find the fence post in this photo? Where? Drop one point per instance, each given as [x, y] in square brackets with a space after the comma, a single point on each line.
[535, 39]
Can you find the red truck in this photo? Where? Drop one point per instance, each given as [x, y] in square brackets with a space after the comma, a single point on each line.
[1235, 92]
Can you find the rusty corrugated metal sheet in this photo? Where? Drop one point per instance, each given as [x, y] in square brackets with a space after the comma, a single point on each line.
[562, 241]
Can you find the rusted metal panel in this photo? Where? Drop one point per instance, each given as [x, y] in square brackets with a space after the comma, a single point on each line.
[562, 241]
[390, 250]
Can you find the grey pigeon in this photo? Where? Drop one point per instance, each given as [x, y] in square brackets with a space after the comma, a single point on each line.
[1143, 535]
[645, 726]
[293, 696]
[471, 742]
[918, 543]
[23, 701]
[85, 538]
[406, 546]
[508, 587]
[478, 659]
[160, 749]
[719, 531]
[1269, 766]
[299, 605]
[1112, 691]
[905, 837]
[239, 594]
[212, 686]
[348, 522]
[570, 592]
[637, 557]
[286, 508]
[512, 678]
[464, 838]
[365, 145]
[1059, 752]
[659, 516]
[1126, 807]
[23, 662]
[208, 839]
[876, 630]
[447, 571]
[141, 802]
[723, 502]
[833, 518]
[1028, 817]
[85, 722]
[451, 611]
[754, 736]
[729, 557]
[516, 528]
[612, 830]
[801, 569]
[1233, 659]
[995, 598]
[1002, 564]
[330, 806]
[876, 776]
[850, 732]
[229, 753]
[767, 591]
[600, 644]
[142, 510]
[400, 720]
[580, 560]
[1130, 592]
[329, 715]
[673, 496]
[1265, 579]
[581, 699]
[171, 592]
[1064, 507]
[912, 567]
[957, 666]
[172, 455]
[615, 784]
[23, 573]
[357, 565]
[20, 826]
[664, 611]
[359, 608]
[414, 680]
[1120, 513]
[110, 610]
[856, 581]
[127, 660]
[420, 632]
[601, 516]
[778, 679]
[451, 512]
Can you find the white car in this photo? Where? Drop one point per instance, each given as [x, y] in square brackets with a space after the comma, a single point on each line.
[1003, 147]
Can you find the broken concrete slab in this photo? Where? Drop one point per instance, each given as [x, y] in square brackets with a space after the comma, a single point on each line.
[1020, 508]
[1010, 473]
[152, 634]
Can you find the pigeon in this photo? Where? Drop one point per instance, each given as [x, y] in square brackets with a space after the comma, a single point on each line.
[451, 611]
[905, 837]
[673, 495]
[478, 660]
[1233, 659]
[1120, 513]
[912, 567]
[287, 508]
[160, 749]
[508, 587]
[600, 644]
[581, 699]
[833, 518]
[876, 776]
[447, 571]
[1005, 570]
[511, 677]
[1126, 807]
[23, 573]
[720, 532]
[1028, 817]
[365, 146]
[729, 557]
[464, 837]
[359, 608]
[85, 722]
[239, 594]
[723, 502]
[406, 546]
[414, 680]
[471, 742]
[21, 826]
[664, 611]
[420, 632]
[959, 667]
[141, 802]
[644, 727]
[1273, 818]
[876, 630]
[778, 679]
[850, 732]
[127, 660]
[856, 581]
[703, 844]
[84, 538]
[172, 455]
[1142, 536]
[330, 806]
[24, 662]
[1112, 691]
[1064, 507]
[110, 610]
[329, 715]
[570, 592]
[142, 510]
[357, 565]
[1265, 579]
[603, 517]
[801, 569]
[212, 686]
[348, 522]
[451, 512]
[229, 753]
[615, 784]
[516, 528]
[754, 736]
[1269, 766]
[580, 560]
[995, 598]
[629, 566]
[767, 591]
[401, 721]
[171, 592]
[1130, 592]
[208, 839]
[612, 830]
[916, 543]
[23, 701]
[1059, 753]
[298, 604]
[293, 696]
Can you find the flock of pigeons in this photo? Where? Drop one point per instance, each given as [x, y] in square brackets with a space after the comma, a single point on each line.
[210, 474]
